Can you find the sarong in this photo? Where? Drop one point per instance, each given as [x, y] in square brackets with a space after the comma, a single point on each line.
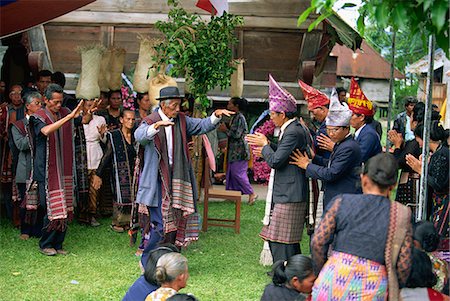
[237, 178]
[349, 277]
[286, 223]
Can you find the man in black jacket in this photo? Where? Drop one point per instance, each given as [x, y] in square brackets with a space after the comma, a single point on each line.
[284, 222]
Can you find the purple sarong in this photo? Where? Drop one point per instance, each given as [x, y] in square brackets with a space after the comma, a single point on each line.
[237, 178]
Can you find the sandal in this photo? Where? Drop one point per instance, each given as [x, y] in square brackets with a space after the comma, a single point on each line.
[251, 201]
[117, 229]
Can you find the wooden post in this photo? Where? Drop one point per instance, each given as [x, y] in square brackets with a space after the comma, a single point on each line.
[421, 212]
[391, 90]
[38, 42]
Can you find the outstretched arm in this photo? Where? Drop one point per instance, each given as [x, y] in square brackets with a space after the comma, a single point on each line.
[48, 129]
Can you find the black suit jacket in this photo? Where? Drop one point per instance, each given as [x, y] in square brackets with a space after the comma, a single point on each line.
[290, 183]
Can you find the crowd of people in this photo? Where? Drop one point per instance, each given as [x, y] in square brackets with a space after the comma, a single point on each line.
[63, 157]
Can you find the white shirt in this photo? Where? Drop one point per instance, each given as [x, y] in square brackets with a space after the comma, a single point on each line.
[93, 138]
[168, 129]
[359, 131]
[284, 126]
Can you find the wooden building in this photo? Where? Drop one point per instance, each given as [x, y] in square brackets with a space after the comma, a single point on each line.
[269, 40]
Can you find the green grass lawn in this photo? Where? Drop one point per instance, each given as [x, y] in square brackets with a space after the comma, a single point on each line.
[102, 265]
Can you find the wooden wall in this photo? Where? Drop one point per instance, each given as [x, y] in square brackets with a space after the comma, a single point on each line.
[264, 50]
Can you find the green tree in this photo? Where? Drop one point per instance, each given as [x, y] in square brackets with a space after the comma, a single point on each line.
[199, 50]
[418, 18]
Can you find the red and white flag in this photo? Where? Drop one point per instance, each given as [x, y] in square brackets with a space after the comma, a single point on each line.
[216, 7]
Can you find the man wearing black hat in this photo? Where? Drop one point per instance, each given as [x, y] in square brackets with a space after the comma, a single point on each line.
[167, 181]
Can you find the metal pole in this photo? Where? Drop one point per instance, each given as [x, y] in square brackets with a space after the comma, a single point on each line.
[391, 89]
[421, 212]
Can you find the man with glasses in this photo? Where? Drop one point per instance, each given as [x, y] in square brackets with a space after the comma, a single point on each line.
[53, 174]
[9, 113]
[338, 173]
[167, 182]
[21, 150]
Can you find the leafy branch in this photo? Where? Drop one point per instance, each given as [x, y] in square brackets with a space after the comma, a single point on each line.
[199, 50]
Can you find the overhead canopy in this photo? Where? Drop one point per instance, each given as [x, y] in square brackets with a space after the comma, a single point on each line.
[20, 15]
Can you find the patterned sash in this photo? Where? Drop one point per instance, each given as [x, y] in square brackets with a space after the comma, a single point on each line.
[59, 170]
[399, 218]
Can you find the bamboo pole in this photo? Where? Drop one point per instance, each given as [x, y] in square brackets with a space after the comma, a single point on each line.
[421, 212]
[391, 89]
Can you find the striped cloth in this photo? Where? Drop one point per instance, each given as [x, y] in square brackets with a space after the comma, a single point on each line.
[348, 277]
[286, 223]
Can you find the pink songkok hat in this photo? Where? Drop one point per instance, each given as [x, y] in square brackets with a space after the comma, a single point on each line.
[280, 100]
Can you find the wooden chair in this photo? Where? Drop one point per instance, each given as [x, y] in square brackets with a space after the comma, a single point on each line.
[234, 196]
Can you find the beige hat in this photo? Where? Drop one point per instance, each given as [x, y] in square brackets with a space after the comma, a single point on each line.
[87, 87]
[145, 70]
[237, 79]
[117, 63]
[103, 78]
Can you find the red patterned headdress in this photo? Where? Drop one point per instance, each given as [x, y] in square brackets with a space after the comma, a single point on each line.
[314, 97]
[358, 102]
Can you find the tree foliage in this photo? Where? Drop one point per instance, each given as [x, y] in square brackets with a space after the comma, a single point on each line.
[419, 18]
[199, 50]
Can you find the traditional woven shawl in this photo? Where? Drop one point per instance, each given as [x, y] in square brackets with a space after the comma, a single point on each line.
[178, 207]
[398, 226]
[81, 166]
[59, 171]
[123, 170]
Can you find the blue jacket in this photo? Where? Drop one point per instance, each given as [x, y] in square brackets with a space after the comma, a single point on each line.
[319, 151]
[369, 143]
[340, 173]
[149, 191]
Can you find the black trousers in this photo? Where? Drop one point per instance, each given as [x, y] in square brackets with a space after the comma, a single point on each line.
[282, 251]
[49, 239]
[25, 228]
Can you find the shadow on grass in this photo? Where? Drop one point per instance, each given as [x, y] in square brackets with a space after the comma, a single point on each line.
[222, 265]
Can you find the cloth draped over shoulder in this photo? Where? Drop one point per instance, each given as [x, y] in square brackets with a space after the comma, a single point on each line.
[174, 184]
[59, 170]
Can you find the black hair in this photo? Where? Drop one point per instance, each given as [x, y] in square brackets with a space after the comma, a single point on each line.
[437, 132]
[59, 78]
[299, 266]
[427, 235]
[154, 255]
[52, 88]
[382, 170]
[340, 89]
[290, 115]
[421, 274]
[368, 119]
[240, 102]
[419, 112]
[409, 99]
[182, 297]
[139, 95]
[27, 90]
[110, 93]
[44, 73]
[123, 110]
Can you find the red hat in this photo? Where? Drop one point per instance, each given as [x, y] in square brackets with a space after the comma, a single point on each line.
[358, 102]
[314, 97]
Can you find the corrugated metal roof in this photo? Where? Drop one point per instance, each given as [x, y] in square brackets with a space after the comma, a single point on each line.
[365, 62]
[421, 66]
